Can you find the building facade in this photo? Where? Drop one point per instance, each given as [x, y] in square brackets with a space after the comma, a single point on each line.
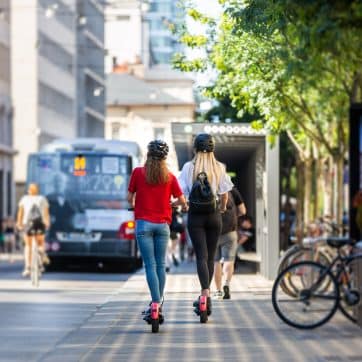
[137, 32]
[90, 68]
[43, 76]
[6, 114]
[163, 44]
[140, 110]
[57, 74]
[126, 33]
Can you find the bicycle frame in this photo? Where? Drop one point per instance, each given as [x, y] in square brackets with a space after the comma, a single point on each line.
[344, 261]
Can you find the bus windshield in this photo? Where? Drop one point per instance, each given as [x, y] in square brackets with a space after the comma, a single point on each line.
[85, 192]
[87, 176]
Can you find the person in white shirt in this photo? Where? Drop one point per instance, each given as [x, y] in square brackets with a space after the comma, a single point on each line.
[33, 218]
[205, 229]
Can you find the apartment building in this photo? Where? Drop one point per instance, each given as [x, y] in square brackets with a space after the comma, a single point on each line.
[44, 70]
[90, 68]
[126, 33]
[137, 31]
[6, 114]
[163, 44]
[57, 73]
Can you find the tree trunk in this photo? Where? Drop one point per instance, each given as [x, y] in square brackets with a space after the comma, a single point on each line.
[318, 180]
[327, 187]
[300, 199]
[339, 162]
[308, 176]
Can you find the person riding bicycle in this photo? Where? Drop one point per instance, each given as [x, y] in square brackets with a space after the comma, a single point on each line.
[33, 218]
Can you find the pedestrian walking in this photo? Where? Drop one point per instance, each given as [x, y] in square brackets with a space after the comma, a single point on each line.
[206, 184]
[149, 192]
[246, 235]
[228, 243]
[33, 218]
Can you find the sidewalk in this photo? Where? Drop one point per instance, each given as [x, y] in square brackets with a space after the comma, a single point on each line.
[244, 328]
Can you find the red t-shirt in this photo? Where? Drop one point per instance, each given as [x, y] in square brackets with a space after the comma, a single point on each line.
[153, 201]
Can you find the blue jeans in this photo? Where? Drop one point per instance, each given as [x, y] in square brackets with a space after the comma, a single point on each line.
[152, 240]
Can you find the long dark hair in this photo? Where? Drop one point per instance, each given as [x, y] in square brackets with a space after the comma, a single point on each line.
[156, 171]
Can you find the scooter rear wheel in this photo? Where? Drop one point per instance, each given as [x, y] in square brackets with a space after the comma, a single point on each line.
[203, 317]
[155, 325]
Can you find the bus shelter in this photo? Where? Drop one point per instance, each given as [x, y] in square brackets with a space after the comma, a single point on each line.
[254, 166]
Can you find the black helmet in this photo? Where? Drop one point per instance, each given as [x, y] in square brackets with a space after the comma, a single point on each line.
[157, 149]
[204, 142]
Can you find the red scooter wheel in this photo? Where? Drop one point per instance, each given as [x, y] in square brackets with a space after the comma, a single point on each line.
[155, 323]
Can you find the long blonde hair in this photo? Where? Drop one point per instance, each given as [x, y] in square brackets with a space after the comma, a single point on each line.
[206, 161]
[156, 171]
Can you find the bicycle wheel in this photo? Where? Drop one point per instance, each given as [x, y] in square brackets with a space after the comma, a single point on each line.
[283, 261]
[349, 291]
[316, 296]
[295, 255]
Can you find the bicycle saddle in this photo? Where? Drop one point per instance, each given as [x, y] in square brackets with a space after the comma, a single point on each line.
[338, 242]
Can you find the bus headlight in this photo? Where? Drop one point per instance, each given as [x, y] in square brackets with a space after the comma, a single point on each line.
[55, 246]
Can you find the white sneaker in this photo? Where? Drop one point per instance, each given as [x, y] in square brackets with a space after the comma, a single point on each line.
[26, 272]
[219, 294]
[45, 259]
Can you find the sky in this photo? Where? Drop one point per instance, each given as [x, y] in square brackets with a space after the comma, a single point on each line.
[210, 8]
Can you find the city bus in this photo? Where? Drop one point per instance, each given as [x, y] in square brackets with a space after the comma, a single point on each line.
[85, 181]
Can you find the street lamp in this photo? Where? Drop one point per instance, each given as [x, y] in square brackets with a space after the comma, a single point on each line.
[50, 10]
[145, 6]
[82, 20]
[98, 91]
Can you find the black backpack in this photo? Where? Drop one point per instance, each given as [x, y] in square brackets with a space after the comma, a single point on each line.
[201, 198]
[35, 216]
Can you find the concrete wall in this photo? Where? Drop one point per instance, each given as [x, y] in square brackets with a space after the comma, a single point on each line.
[90, 70]
[154, 121]
[44, 86]
[6, 116]
[123, 35]
[24, 83]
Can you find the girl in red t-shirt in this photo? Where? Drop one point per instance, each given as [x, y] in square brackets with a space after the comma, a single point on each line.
[149, 192]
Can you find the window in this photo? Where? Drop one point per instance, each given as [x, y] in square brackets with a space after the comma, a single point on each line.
[63, 13]
[162, 58]
[1, 192]
[115, 130]
[9, 193]
[159, 133]
[157, 24]
[5, 63]
[56, 101]
[163, 41]
[55, 53]
[161, 7]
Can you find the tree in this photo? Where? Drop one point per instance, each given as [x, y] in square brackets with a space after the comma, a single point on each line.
[298, 63]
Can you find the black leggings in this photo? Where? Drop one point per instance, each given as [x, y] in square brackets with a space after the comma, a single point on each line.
[204, 232]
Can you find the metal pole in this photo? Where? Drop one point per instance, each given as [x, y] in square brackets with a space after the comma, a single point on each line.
[355, 185]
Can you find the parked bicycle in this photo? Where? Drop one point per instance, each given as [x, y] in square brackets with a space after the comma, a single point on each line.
[319, 290]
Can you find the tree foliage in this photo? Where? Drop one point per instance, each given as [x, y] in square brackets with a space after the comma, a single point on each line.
[298, 63]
